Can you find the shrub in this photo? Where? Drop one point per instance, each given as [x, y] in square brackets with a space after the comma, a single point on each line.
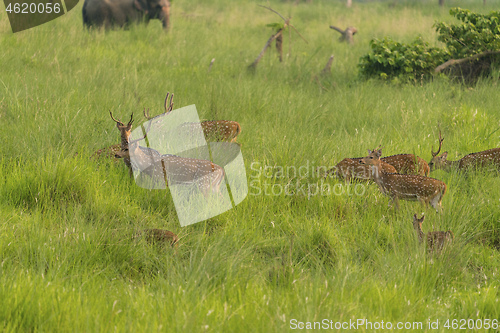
[477, 34]
[410, 62]
[391, 59]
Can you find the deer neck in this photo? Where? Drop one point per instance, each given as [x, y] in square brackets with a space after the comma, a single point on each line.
[420, 233]
[378, 174]
[450, 165]
[124, 142]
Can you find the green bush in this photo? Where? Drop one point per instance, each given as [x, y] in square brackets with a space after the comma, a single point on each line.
[410, 62]
[477, 34]
[391, 59]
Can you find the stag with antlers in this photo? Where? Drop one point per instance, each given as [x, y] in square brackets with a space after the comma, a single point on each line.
[214, 130]
[481, 159]
[112, 150]
[165, 170]
[405, 187]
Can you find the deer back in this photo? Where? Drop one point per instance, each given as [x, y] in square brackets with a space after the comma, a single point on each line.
[408, 164]
[159, 236]
[436, 240]
[411, 186]
[350, 167]
[481, 159]
[221, 130]
[108, 152]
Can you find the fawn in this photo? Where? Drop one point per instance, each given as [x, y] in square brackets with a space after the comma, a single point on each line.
[435, 240]
[481, 159]
[406, 187]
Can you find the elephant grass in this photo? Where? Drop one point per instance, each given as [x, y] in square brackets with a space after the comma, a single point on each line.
[68, 258]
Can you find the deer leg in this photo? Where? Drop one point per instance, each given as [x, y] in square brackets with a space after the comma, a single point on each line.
[424, 202]
[436, 203]
[395, 201]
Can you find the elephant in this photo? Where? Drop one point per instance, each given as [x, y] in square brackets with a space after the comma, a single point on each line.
[121, 13]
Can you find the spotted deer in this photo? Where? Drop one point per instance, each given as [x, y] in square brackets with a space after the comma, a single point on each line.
[402, 163]
[112, 150]
[350, 168]
[435, 240]
[159, 236]
[214, 130]
[481, 159]
[125, 131]
[405, 187]
[408, 164]
[171, 169]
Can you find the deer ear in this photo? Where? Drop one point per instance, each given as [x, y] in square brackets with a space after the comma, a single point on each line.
[369, 151]
[444, 156]
[378, 153]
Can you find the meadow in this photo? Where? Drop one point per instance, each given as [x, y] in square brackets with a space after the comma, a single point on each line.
[67, 259]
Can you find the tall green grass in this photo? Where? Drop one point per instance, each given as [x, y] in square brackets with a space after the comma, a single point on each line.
[69, 260]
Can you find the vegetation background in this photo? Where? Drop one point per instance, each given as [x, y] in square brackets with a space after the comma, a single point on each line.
[67, 258]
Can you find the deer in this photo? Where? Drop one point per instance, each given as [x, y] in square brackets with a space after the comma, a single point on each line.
[406, 187]
[408, 164]
[159, 236]
[125, 131]
[482, 159]
[350, 168]
[435, 240]
[401, 163]
[214, 130]
[170, 169]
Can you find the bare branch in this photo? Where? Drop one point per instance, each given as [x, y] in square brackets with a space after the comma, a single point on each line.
[284, 19]
[270, 40]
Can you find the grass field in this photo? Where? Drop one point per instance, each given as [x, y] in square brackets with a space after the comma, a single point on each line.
[67, 259]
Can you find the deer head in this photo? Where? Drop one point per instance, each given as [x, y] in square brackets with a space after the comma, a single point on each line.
[417, 225]
[373, 158]
[131, 145]
[125, 130]
[438, 162]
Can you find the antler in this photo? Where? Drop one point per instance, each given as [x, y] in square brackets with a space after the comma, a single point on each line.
[440, 144]
[143, 137]
[146, 114]
[119, 122]
[169, 106]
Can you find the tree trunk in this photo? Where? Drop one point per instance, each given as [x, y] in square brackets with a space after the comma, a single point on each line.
[347, 34]
[349, 3]
[441, 3]
[328, 66]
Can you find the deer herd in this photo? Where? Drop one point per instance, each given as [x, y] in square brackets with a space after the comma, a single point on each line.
[171, 169]
[400, 177]
[406, 177]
